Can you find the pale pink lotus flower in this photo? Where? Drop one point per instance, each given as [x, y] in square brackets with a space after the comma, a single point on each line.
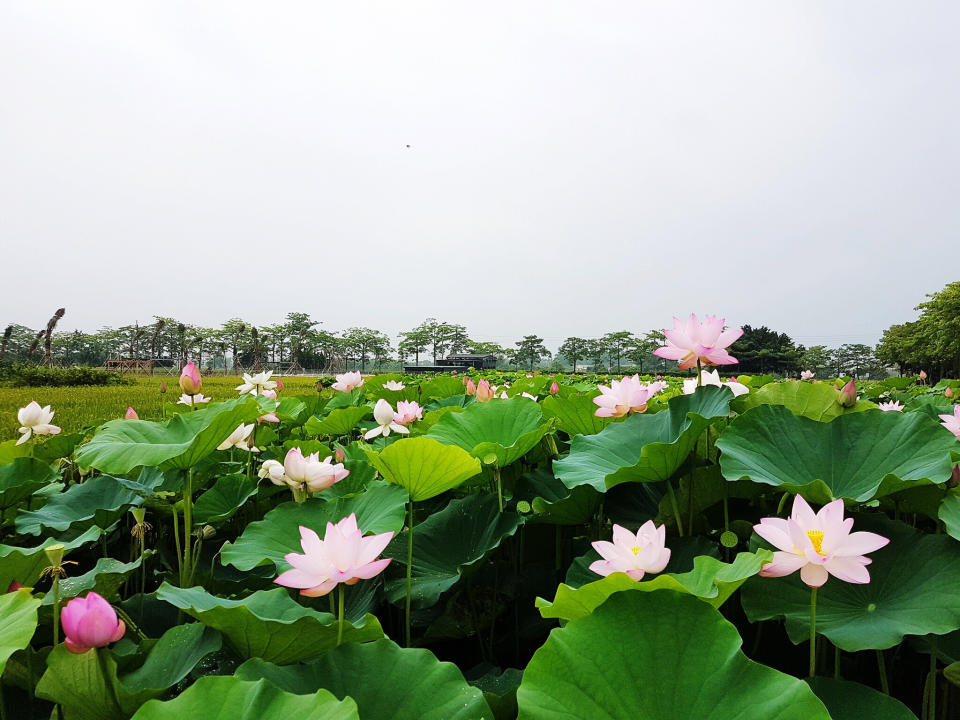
[270, 394]
[191, 400]
[239, 438]
[384, 415]
[503, 395]
[256, 384]
[484, 391]
[891, 406]
[923, 374]
[807, 375]
[299, 471]
[528, 396]
[658, 386]
[952, 422]
[554, 388]
[628, 395]
[394, 385]
[645, 552]
[272, 470]
[270, 417]
[529, 375]
[948, 392]
[348, 381]
[408, 412]
[35, 420]
[131, 414]
[848, 395]
[339, 454]
[471, 387]
[705, 341]
[90, 622]
[342, 556]
[818, 545]
[190, 379]
[712, 377]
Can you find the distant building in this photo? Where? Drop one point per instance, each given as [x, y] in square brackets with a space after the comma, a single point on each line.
[460, 363]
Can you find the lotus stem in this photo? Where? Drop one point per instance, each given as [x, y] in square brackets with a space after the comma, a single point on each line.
[836, 662]
[56, 609]
[676, 508]
[699, 373]
[932, 678]
[186, 574]
[882, 667]
[409, 572]
[813, 632]
[176, 541]
[496, 474]
[340, 615]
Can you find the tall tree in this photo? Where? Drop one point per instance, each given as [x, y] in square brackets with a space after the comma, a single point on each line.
[573, 349]
[297, 327]
[234, 329]
[489, 348]
[530, 350]
[762, 350]
[616, 344]
[415, 341]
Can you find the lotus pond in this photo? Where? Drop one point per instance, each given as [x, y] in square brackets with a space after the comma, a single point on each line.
[453, 548]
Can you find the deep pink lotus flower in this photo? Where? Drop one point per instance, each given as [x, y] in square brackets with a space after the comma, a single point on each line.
[131, 414]
[628, 395]
[190, 379]
[848, 395]
[471, 387]
[408, 412]
[818, 545]
[645, 552]
[348, 381]
[90, 622]
[342, 556]
[706, 341]
[952, 422]
[892, 406]
[484, 392]
[554, 388]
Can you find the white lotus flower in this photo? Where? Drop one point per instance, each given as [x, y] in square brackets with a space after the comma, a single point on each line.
[35, 420]
[394, 385]
[384, 415]
[239, 438]
[712, 377]
[191, 400]
[256, 384]
[272, 470]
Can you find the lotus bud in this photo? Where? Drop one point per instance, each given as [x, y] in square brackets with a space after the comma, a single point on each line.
[279, 384]
[554, 388]
[954, 480]
[190, 380]
[471, 387]
[923, 374]
[948, 392]
[163, 387]
[339, 454]
[484, 392]
[131, 414]
[848, 396]
[90, 622]
[206, 532]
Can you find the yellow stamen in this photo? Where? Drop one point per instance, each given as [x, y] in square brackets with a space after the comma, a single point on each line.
[636, 549]
[816, 537]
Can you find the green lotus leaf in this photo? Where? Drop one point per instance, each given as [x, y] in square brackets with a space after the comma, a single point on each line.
[181, 442]
[424, 466]
[575, 414]
[105, 578]
[502, 429]
[386, 681]
[816, 401]
[914, 589]
[447, 541]
[98, 501]
[858, 456]
[554, 503]
[711, 580]
[268, 624]
[656, 656]
[222, 501]
[229, 698]
[24, 564]
[339, 422]
[852, 701]
[18, 622]
[21, 478]
[379, 509]
[949, 513]
[643, 448]
[441, 387]
[500, 691]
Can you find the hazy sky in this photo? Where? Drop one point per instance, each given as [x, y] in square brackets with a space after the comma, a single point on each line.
[552, 167]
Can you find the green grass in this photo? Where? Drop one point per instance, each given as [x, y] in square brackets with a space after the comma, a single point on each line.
[79, 407]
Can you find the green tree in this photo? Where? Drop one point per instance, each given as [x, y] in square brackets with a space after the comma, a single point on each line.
[616, 344]
[530, 350]
[296, 328]
[489, 348]
[762, 350]
[573, 349]
[817, 359]
[415, 341]
[362, 342]
[640, 351]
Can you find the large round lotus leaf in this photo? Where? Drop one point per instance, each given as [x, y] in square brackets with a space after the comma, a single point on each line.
[447, 541]
[858, 456]
[268, 623]
[656, 656]
[338, 422]
[501, 429]
[222, 501]
[95, 501]
[441, 387]
[18, 621]
[817, 401]
[24, 564]
[386, 681]
[575, 414]
[852, 701]
[21, 478]
[644, 447]
[122, 445]
[914, 589]
[949, 513]
[424, 466]
[711, 580]
[229, 698]
[105, 578]
[379, 509]
[554, 503]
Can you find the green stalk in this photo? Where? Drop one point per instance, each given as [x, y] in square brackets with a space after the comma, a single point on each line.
[409, 572]
[675, 507]
[496, 474]
[176, 541]
[882, 666]
[187, 575]
[813, 632]
[56, 609]
[933, 678]
[340, 615]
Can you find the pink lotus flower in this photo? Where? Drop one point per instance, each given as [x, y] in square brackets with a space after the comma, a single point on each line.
[705, 341]
[484, 392]
[848, 395]
[952, 422]
[923, 374]
[311, 472]
[807, 375]
[948, 392]
[471, 387]
[348, 381]
[892, 406]
[131, 414]
[90, 622]
[628, 395]
[554, 388]
[270, 417]
[339, 454]
[270, 394]
[190, 379]
[384, 415]
[408, 412]
[818, 545]
[279, 384]
[342, 556]
[192, 400]
[35, 420]
[634, 555]
[394, 385]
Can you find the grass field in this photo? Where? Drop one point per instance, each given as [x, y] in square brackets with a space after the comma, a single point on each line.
[79, 407]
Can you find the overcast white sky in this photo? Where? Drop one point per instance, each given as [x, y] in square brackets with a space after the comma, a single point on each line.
[573, 167]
